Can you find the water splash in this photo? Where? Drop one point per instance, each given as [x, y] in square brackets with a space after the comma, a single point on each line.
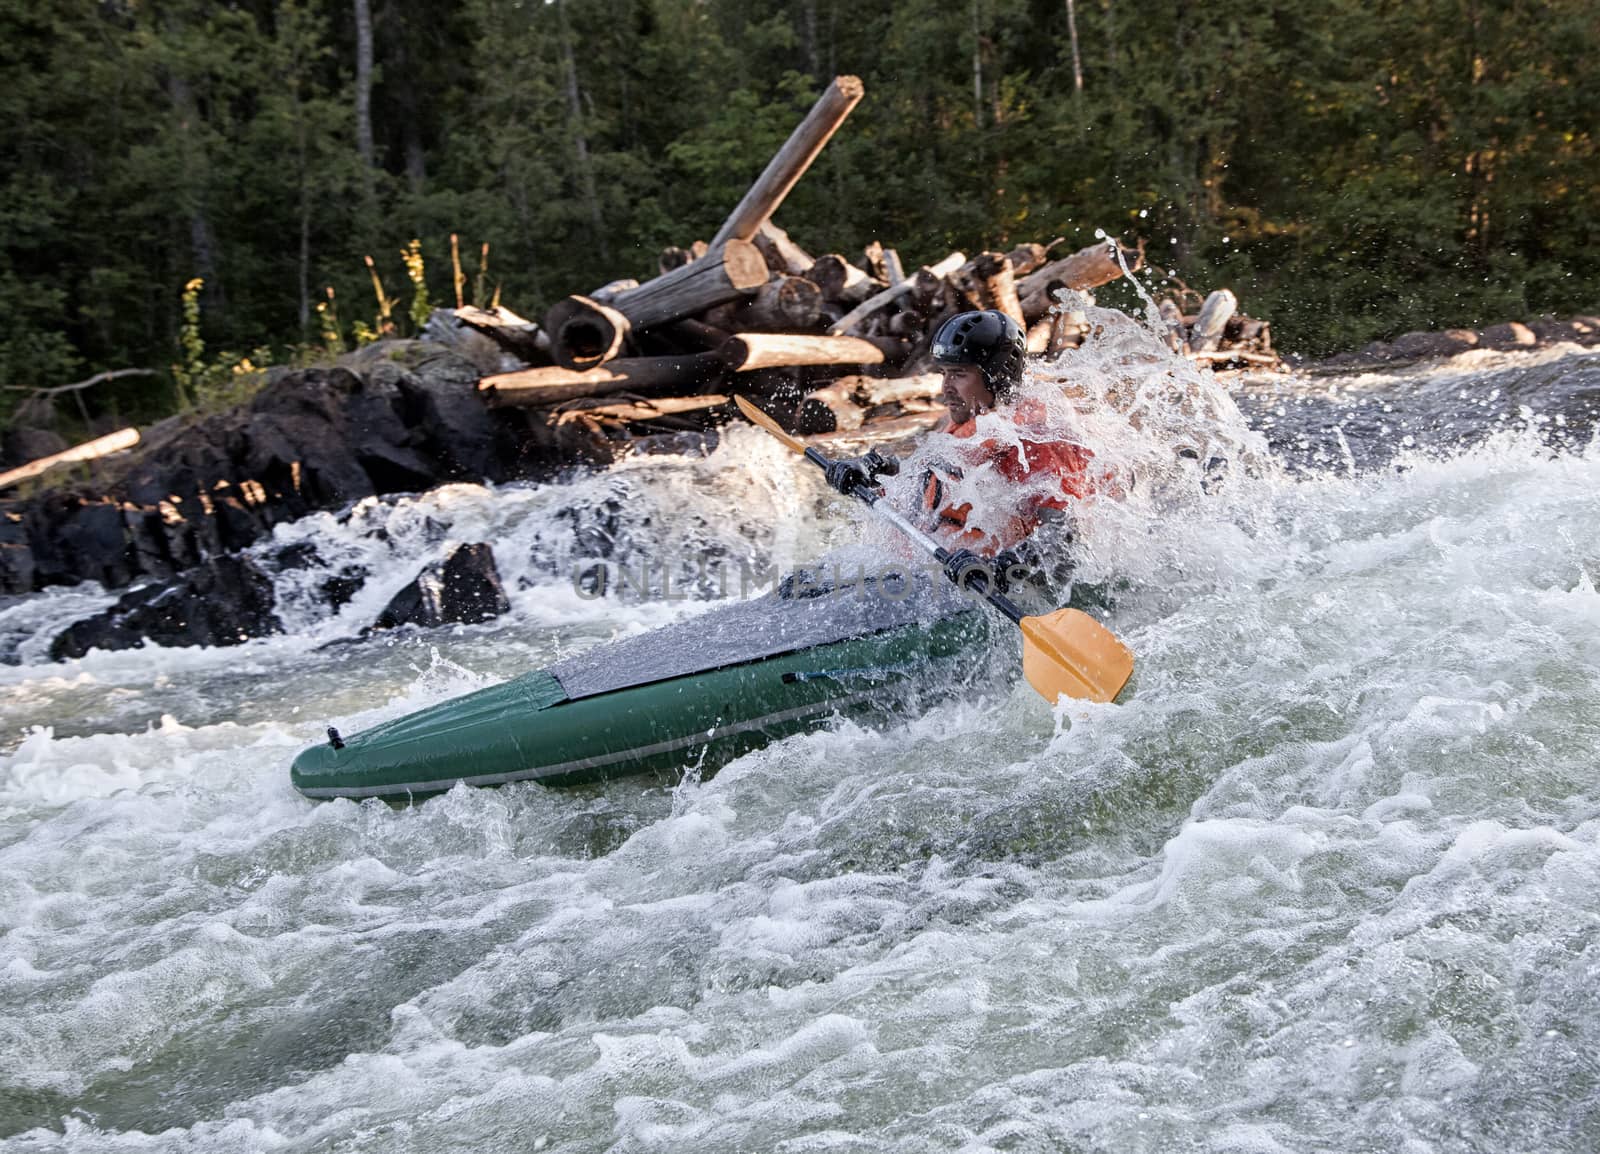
[1328, 881]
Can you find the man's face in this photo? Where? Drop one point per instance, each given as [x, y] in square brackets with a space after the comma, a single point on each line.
[965, 392]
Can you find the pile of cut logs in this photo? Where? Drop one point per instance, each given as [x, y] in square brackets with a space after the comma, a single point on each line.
[1219, 334]
[826, 343]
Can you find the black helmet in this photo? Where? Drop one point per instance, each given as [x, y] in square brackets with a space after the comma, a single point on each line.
[989, 339]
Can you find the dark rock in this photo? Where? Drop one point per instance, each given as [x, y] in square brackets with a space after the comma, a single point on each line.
[292, 453]
[225, 601]
[16, 555]
[237, 526]
[343, 585]
[21, 445]
[16, 569]
[1581, 330]
[443, 402]
[1510, 335]
[465, 589]
[395, 417]
[94, 543]
[147, 541]
[299, 555]
[1415, 346]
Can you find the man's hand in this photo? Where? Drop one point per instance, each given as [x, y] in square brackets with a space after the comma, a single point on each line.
[849, 473]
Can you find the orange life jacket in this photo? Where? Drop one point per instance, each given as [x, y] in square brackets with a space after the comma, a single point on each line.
[1052, 473]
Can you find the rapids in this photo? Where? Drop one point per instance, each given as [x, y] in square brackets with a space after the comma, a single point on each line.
[1328, 880]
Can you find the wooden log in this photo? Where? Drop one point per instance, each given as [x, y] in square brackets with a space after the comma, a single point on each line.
[842, 281]
[1250, 331]
[905, 324]
[606, 292]
[1085, 269]
[828, 410]
[886, 429]
[1069, 324]
[987, 283]
[585, 332]
[1213, 319]
[747, 351]
[1173, 320]
[872, 261]
[1243, 355]
[843, 404]
[870, 391]
[786, 302]
[883, 264]
[1027, 257]
[697, 333]
[642, 409]
[892, 270]
[792, 160]
[1037, 305]
[533, 387]
[783, 303]
[782, 255]
[88, 451]
[673, 257]
[1039, 335]
[934, 274]
[931, 290]
[521, 338]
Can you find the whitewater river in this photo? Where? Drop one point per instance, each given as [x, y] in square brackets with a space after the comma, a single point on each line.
[1329, 880]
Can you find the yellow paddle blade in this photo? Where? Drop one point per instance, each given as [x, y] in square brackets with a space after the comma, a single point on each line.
[1070, 652]
[759, 418]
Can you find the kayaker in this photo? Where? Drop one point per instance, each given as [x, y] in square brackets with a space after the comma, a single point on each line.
[980, 355]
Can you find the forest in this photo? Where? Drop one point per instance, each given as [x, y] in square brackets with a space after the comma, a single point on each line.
[195, 187]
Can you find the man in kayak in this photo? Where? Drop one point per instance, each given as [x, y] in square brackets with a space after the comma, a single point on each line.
[980, 355]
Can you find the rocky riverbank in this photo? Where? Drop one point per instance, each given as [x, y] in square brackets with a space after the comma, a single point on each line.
[171, 517]
[401, 416]
[1512, 336]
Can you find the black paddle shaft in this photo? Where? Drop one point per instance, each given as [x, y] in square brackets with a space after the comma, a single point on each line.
[868, 496]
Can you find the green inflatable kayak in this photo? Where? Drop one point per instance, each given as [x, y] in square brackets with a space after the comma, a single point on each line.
[696, 694]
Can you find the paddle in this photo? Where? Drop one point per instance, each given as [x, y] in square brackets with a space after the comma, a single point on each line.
[1065, 652]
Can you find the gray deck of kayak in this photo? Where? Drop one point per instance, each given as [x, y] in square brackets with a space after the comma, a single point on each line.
[750, 630]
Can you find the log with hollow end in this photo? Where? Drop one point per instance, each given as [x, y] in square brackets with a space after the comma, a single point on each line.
[842, 281]
[585, 332]
[784, 302]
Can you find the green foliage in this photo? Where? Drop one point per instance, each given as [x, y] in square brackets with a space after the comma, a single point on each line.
[328, 324]
[190, 372]
[1350, 170]
[417, 274]
[212, 384]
